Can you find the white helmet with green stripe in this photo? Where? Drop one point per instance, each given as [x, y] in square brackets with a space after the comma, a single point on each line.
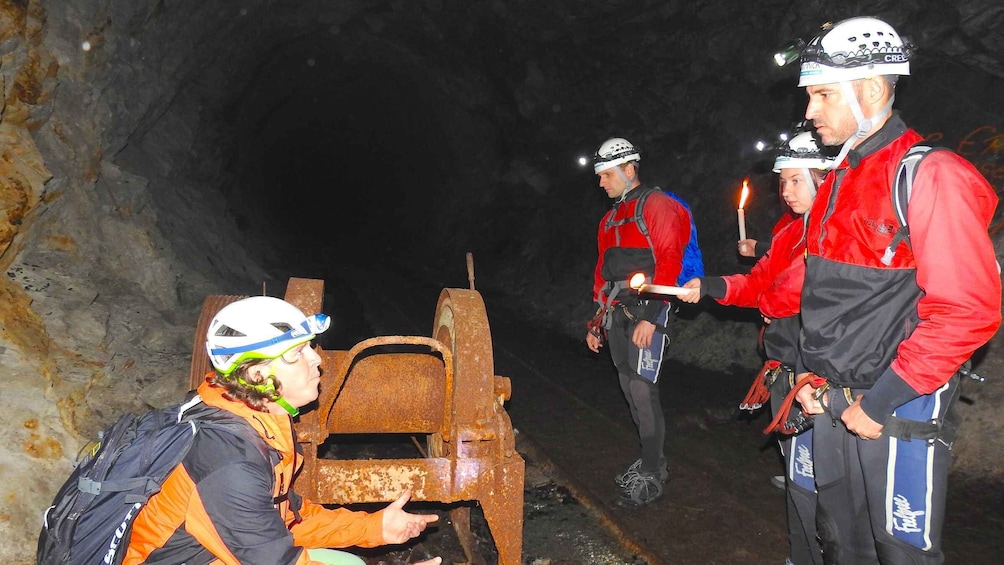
[259, 327]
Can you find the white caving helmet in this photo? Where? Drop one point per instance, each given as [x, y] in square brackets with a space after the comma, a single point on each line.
[259, 327]
[801, 152]
[853, 49]
[614, 151]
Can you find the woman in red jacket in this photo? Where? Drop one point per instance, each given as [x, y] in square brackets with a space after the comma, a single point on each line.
[774, 286]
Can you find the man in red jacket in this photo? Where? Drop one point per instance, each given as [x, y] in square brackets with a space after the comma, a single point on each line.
[886, 323]
[634, 327]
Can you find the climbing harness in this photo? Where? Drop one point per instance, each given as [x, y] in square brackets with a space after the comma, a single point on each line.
[759, 391]
[781, 423]
[596, 325]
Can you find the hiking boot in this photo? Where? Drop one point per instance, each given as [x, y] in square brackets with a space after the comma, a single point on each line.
[642, 489]
[626, 477]
[778, 481]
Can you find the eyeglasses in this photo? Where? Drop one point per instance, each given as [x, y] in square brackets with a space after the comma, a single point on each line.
[293, 356]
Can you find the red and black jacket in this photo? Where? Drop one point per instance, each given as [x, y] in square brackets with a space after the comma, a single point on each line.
[624, 250]
[901, 330]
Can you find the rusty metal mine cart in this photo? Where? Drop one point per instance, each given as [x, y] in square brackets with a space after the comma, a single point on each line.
[441, 387]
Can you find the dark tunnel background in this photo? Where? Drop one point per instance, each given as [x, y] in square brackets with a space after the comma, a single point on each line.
[408, 148]
[408, 134]
[327, 141]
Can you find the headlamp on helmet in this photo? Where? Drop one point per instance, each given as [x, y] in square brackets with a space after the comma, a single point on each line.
[790, 52]
[259, 327]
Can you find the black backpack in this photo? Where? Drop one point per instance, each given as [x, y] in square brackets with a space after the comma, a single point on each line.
[90, 520]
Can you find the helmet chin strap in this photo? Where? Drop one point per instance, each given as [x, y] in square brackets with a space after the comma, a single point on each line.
[627, 184]
[293, 411]
[865, 125]
[810, 180]
[267, 388]
[282, 402]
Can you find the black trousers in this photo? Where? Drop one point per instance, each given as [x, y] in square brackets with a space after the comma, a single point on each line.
[638, 373]
[882, 502]
[800, 482]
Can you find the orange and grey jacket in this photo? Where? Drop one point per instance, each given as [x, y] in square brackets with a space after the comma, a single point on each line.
[227, 503]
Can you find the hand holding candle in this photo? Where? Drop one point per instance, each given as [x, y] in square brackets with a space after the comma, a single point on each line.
[638, 283]
[742, 213]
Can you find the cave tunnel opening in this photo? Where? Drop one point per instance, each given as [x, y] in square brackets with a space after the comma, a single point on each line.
[377, 136]
[356, 156]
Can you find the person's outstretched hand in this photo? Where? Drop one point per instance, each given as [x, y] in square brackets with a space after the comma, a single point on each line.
[694, 296]
[433, 561]
[400, 526]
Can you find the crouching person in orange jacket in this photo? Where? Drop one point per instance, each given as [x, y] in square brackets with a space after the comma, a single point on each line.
[227, 502]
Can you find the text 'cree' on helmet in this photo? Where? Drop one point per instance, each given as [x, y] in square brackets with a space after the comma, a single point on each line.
[853, 49]
[258, 327]
[614, 151]
[801, 151]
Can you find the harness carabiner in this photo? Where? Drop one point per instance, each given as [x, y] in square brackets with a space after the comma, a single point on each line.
[779, 423]
[759, 391]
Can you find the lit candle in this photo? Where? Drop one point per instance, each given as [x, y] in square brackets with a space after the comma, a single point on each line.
[740, 211]
[638, 283]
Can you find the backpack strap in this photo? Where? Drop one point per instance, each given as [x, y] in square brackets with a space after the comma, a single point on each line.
[902, 189]
[200, 415]
[638, 218]
[639, 214]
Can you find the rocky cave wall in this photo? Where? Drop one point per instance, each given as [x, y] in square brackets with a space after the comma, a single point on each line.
[156, 151]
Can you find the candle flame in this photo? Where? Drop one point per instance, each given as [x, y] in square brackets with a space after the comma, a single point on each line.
[637, 280]
[745, 193]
